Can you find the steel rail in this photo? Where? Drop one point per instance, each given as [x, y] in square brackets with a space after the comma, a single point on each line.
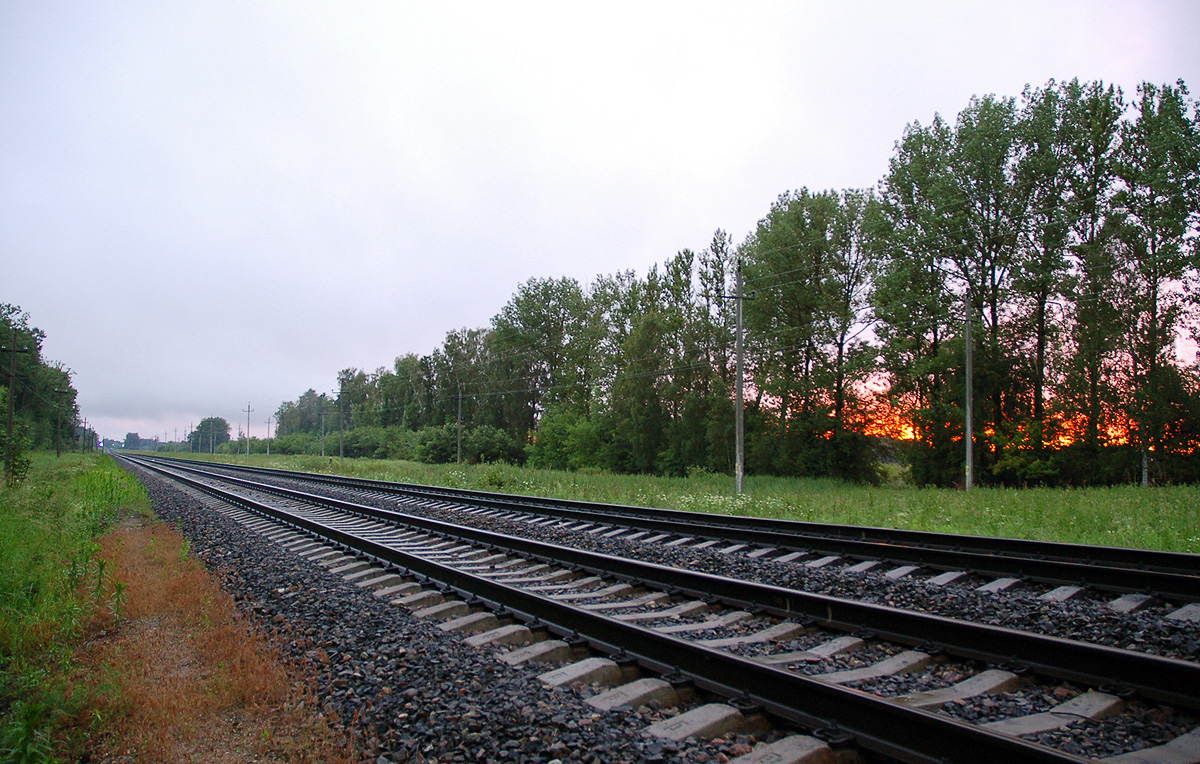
[1174, 575]
[1164, 679]
[906, 734]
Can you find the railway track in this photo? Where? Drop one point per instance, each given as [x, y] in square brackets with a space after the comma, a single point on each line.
[850, 672]
[1069, 570]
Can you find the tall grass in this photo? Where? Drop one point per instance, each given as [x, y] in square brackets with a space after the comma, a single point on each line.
[47, 523]
[1165, 517]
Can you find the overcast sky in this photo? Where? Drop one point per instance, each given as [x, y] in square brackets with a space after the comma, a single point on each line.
[205, 204]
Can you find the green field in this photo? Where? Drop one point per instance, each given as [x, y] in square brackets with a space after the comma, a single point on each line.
[1154, 518]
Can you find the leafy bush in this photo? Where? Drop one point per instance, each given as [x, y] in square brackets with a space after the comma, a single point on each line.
[491, 444]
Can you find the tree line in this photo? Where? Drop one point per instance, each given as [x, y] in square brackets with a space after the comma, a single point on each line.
[37, 399]
[1057, 229]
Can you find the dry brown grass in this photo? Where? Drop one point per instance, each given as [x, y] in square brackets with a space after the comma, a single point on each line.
[179, 675]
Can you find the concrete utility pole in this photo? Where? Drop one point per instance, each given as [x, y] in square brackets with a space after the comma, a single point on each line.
[58, 422]
[739, 413]
[248, 410]
[739, 468]
[969, 429]
[460, 422]
[269, 435]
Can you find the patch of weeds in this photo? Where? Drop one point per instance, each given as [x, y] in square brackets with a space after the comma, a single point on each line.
[456, 479]
[493, 476]
[118, 598]
[26, 740]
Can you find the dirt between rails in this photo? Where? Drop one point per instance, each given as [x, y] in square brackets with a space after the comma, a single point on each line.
[175, 673]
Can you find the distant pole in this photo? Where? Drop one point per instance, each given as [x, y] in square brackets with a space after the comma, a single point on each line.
[322, 433]
[269, 435]
[9, 451]
[58, 424]
[970, 400]
[460, 422]
[341, 428]
[739, 469]
[248, 410]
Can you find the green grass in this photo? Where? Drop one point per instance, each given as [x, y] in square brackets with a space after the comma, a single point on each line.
[1165, 518]
[47, 523]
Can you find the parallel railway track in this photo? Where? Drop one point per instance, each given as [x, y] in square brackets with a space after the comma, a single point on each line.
[1171, 575]
[613, 605]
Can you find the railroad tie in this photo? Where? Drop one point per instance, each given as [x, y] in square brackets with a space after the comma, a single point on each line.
[944, 579]
[546, 651]
[705, 722]
[578, 583]
[347, 568]
[1186, 613]
[719, 622]
[901, 663]
[1062, 594]
[399, 589]
[645, 599]
[904, 571]
[793, 749]
[1090, 705]
[513, 634]
[821, 652]
[983, 683]
[608, 591]
[1130, 603]
[776, 633]
[863, 567]
[686, 608]
[443, 610]
[821, 562]
[1184, 749]
[471, 623]
[998, 585]
[587, 671]
[380, 582]
[648, 691]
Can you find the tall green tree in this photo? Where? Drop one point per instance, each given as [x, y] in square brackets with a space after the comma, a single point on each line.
[543, 351]
[209, 434]
[810, 265]
[1091, 130]
[1158, 205]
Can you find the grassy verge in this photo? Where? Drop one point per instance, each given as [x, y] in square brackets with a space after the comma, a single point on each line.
[47, 526]
[115, 643]
[1165, 517]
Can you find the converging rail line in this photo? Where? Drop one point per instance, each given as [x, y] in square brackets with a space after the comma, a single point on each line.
[723, 637]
